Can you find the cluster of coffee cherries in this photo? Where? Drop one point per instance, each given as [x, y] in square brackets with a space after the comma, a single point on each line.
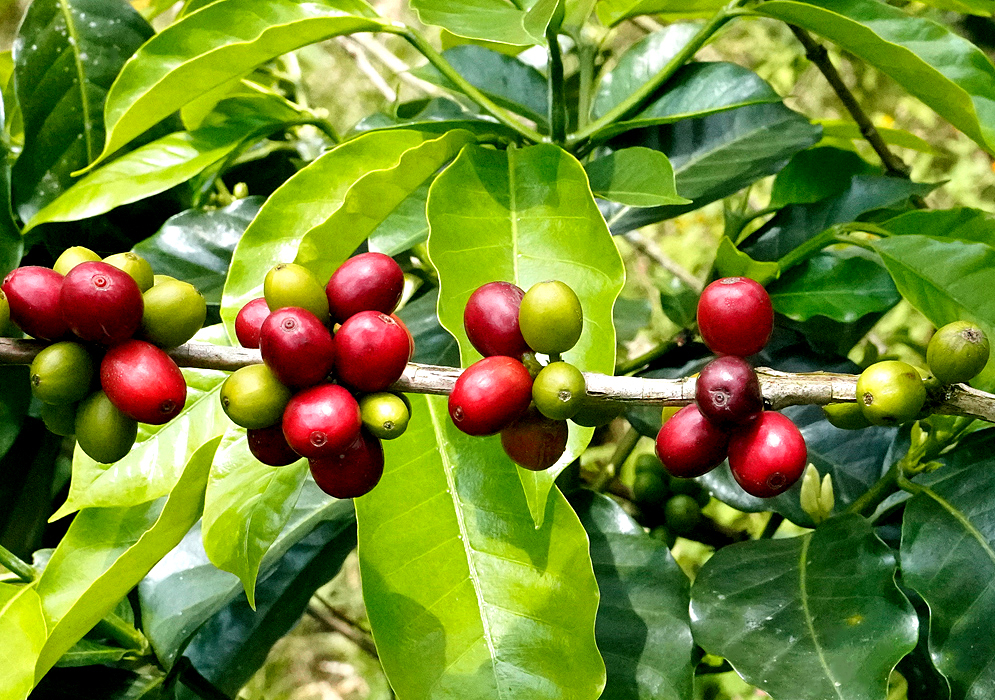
[329, 354]
[509, 391]
[669, 506]
[108, 321]
[766, 451]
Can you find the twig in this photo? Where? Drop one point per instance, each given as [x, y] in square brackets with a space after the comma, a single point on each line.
[771, 527]
[16, 566]
[336, 621]
[651, 251]
[366, 68]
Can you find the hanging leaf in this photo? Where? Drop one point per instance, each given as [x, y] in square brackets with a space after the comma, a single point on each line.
[639, 177]
[22, 625]
[961, 224]
[611, 12]
[817, 174]
[501, 21]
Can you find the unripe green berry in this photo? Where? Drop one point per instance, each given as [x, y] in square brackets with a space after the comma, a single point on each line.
[687, 487]
[103, 432]
[254, 398]
[649, 488]
[682, 513]
[136, 266]
[663, 533]
[551, 317]
[60, 420]
[846, 416]
[558, 390]
[648, 463]
[957, 352]
[289, 284]
[174, 311]
[890, 392]
[385, 414]
[71, 257]
[61, 373]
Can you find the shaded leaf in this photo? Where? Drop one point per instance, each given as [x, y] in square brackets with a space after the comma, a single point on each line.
[500, 21]
[433, 343]
[815, 174]
[404, 227]
[465, 595]
[14, 401]
[821, 618]
[88, 653]
[611, 12]
[22, 625]
[962, 224]
[436, 116]
[639, 177]
[835, 129]
[11, 242]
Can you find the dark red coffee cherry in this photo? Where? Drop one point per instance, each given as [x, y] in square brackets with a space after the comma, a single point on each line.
[143, 382]
[297, 347]
[690, 445]
[535, 441]
[728, 392]
[411, 338]
[490, 395]
[366, 282]
[354, 471]
[249, 321]
[101, 303]
[33, 295]
[735, 316]
[371, 351]
[491, 320]
[270, 447]
[321, 421]
[769, 456]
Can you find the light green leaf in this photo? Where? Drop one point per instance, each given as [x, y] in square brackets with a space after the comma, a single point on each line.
[22, 627]
[962, 224]
[639, 177]
[525, 216]
[246, 506]
[404, 227]
[466, 597]
[203, 50]
[947, 72]
[850, 131]
[501, 21]
[611, 12]
[107, 551]
[732, 262]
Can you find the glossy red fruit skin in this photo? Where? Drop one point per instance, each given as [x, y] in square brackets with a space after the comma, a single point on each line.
[411, 338]
[269, 446]
[735, 316]
[297, 347]
[321, 421]
[33, 295]
[354, 471]
[534, 441]
[371, 351]
[769, 456]
[249, 322]
[143, 382]
[365, 282]
[490, 320]
[490, 395]
[727, 392]
[101, 303]
[689, 445]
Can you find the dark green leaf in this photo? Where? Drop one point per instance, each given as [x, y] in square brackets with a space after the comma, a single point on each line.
[679, 302]
[962, 224]
[818, 173]
[501, 21]
[630, 316]
[404, 227]
[643, 628]
[639, 177]
[11, 243]
[807, 618]
[14, 401]
[88, 653]
[433, 343]
[22, 625]
[66, 56]
[611, 12]
[436, 116]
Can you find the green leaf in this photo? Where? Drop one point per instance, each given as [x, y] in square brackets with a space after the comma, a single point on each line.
[22, 626]
[611, 12]
[643, 628]
[88, 653]
[947, 72]
[14, 402]
[525, 216]
[319, 216]
[948, 557]
[946, 280]
[505, 79]
[154, 465]
[170, 160]
[66, 55]
[203, 50]
[815, 174]
[245, 508]
[962, 224]
[842, 285]
[501, 21]
[835, 129]
[107, 551]
[11, 242]
[466, 596]
[433, 343]
[732, 262]
[436, 116]
[820, 618]
[639, 177]
[404, 227]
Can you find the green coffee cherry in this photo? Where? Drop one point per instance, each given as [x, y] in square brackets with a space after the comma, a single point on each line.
[71, 257]
[957, 352]
[289, 284]
[550, 317]
[682, 513]
[663, 533]
[890, 392]
[254, 398]
[136, 266]
[688, 487]
[594, 414]
[846, 416]
[102, 431]
[174, 312]
[385, 414]
[61, 373]
[159, 279]
[702, 498]
[649, 488]
[60, 420]
[558, 390]
[648, 463]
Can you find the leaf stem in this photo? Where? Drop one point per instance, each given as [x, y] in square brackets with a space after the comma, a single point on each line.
[771, 527]
[554, 88]
[587, 53]
[16, 565]
[877, 493]
[623, 448]
[123, 633]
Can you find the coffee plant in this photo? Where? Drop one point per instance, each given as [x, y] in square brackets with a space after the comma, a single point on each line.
[534, 141]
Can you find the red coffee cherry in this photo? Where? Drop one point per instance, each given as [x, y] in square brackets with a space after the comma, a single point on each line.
[33, 295]
[490, 395]
[535, 441]
[371, 351]
[101, 303]
[411, 338]
[366, 282]
[769, 456]
[321, 421]
[491, 320]
[353, 472]
[735, 316]
[270, 447]
[690, 445]
[143, 382]
[297, 347]
[727, 392]
[249, 322]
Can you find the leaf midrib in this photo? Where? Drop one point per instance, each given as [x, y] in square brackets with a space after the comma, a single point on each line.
[84, 103]
[803, 586]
